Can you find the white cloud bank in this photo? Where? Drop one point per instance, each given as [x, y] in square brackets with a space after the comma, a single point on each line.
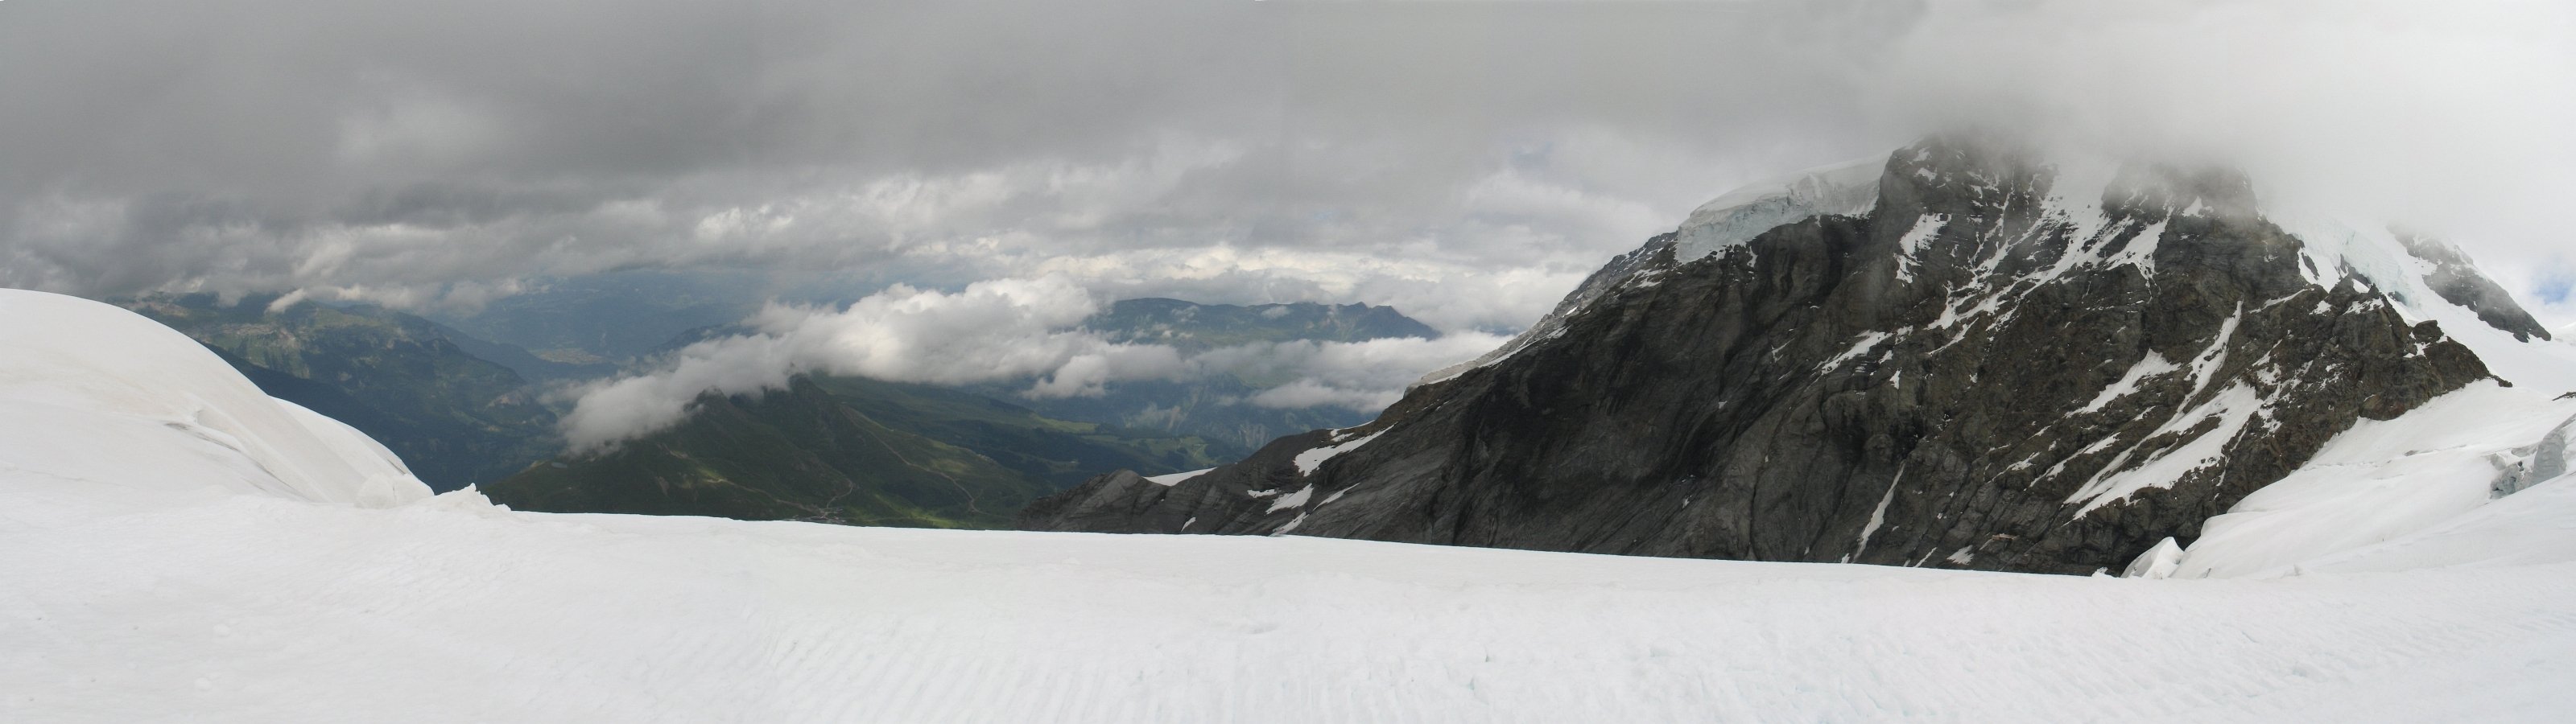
[2450, 117]
[1007, 329]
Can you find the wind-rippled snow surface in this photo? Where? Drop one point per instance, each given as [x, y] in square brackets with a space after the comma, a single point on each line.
[255, 609]
[155, 571]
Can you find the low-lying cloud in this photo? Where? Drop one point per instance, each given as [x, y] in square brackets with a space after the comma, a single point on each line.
[1000, 330]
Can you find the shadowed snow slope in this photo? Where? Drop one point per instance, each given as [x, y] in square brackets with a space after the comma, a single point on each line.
[175, 546]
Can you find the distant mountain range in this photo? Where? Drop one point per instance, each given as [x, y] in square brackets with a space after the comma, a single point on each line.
[463, 410]
[600, 320]
[1194, 327]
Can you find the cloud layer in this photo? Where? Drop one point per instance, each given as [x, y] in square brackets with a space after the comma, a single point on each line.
[1465, 162]
[1000, 330]
[1236, 152]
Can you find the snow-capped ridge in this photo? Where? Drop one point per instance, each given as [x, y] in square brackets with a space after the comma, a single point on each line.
[1846, 188]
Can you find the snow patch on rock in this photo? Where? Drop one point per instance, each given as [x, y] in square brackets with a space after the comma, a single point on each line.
[2153, 364]
[1171, 479]
[2231, 409]
[1307, 462]
[1292, 500]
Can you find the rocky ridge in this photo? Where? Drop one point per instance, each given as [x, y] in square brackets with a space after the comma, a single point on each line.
[1998, 361]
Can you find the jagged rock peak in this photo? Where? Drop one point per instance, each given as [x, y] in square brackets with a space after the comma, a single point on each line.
[1998, 360]
[2456, 280]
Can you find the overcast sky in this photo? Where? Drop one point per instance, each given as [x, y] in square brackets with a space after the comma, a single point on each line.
[1464, 161]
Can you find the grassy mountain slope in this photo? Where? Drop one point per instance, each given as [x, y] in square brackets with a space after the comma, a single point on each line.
[846, 451]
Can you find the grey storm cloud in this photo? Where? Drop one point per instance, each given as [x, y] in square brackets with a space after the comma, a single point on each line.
[1464, 161]
[392, 149]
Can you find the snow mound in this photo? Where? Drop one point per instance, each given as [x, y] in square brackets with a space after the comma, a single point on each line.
[2157, 562]
[92, 395]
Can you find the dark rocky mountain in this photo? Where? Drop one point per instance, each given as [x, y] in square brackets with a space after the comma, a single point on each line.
[850, 451]
[454, 418]
[1967, 356]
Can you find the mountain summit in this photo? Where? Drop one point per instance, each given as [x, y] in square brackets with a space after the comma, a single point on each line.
[1969, 355]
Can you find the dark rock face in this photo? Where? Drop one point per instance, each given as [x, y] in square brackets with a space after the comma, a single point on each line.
[1970, 375]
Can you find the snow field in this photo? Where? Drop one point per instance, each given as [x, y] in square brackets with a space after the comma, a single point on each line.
[256, 609]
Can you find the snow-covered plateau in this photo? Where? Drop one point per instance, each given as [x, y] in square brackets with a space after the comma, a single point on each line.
[175, 545]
